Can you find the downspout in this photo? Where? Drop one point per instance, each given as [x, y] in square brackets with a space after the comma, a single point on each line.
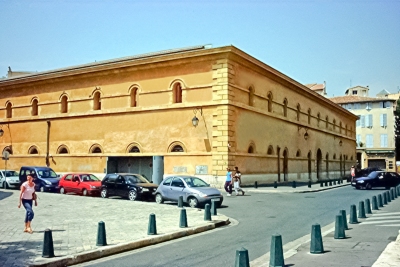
[48, 144]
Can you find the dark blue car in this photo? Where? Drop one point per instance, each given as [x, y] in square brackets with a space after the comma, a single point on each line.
[377, 179]
[45, 178]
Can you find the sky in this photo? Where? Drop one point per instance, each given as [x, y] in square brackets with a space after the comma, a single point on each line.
[343, 43]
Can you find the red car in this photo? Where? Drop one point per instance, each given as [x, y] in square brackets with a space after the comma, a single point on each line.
[80, 183]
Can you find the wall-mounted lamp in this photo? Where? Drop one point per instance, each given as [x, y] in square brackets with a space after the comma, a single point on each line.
[306, 135]
[1, 131]
[195, 120]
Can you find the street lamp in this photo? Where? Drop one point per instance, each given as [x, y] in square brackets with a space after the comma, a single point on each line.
[195, 120]
[1, 132]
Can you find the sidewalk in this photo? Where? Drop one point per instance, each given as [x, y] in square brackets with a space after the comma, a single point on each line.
[74, 224]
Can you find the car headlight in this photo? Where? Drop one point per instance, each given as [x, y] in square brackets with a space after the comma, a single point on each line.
[47, 182]
[93, 187]
[202, 194]
[360, 182]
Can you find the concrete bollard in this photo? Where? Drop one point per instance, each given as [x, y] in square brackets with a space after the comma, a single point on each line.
[361, 210]
[380, 201]
[101, 234]
[152, 229]
[213, 207]
[309, 184]
[275, 184]
[395, 192]
[374, 203]
[48, 247]
[276, 252]
[242, 258]
[368, 206]
[391, 193]
[343, 213]
[321, 184]
[207, 212]
[334, 182]
[389, 198]
[353, 215]
[180, 202]
[326, 183]
[294, 184]
[316, 245]
[339, 228]
[385, 198]
[330, 183]
[255, 185]
[183, 219]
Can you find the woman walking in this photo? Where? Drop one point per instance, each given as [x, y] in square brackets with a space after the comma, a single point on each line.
[26, 197]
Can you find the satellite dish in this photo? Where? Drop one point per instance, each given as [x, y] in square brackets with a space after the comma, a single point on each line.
[6, 155]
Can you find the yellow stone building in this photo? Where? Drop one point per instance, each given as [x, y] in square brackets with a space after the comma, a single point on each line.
[137, 114]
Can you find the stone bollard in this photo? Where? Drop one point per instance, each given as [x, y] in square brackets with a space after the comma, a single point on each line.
[380, 201]
[276, 252]
[255, 185]
[389, 198]
[242, 258]
[334, 182]
[368, 206]
[395, 192]
[275, 184]
[391, 193]
[316, 245]
[180, 202]
[152, 229]
[361, 210]
[385, 198]
[213, 207]
[309, 184]
[339, 228]
[374, 203]
[48, 247]
[183, 219]
[101, 234]
[207, 212]
[353, 215]
[321, 184]
[294, 184]
[330, 183]
[326, 183]
[343, 213]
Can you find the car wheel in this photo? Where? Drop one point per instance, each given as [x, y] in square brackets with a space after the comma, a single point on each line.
[159, 199]
[368, 186]
[84, 192]
[193, 202]
[104, 193]
[62, 190]
[132, 195]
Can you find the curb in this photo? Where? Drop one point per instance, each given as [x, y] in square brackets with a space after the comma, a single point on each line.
[127, 246]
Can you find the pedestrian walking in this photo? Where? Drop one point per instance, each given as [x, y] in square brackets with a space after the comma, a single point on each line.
[237, 181]
[26, 198]
[353, 173]
[228, 182]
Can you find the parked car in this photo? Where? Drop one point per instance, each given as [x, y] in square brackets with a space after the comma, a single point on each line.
[80, 183]
[194, 191]
[45, 178]
[377, 179]
[9, 179]
[130, 185]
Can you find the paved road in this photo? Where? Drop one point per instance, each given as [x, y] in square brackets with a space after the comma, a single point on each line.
[258, 217]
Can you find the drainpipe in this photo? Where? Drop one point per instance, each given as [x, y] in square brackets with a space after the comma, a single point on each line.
[48, 144]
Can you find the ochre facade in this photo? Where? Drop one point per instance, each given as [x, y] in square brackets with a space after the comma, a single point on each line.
[89, 117]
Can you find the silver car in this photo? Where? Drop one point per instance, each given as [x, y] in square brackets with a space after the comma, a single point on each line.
[9, 179]
[194, 191]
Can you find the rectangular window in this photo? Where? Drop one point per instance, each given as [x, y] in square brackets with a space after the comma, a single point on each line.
[383, 119]
[388, 104]
[349, 106]
[354, 92]
[384, 140]
[358, 139]
[368, 106]
[362, 118]
[357, 106]
[368, 121]
[369, 140]
[358, 122]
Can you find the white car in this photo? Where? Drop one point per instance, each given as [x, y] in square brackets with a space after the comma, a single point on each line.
[9, 179]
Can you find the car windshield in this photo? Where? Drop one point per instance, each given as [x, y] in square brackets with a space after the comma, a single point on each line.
[89, 178]
[374, 174]
[195, 182]
[11, 173]
[47, 174]
[134, 179]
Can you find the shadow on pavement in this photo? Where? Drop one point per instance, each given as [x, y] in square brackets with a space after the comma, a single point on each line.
[4, 195]
[22, 250]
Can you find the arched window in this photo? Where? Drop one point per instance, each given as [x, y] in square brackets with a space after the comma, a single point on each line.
[34, 111]
[334, 124]
[9, 110]
[326, 122]
[177, 148]
[334, 156]
[97, 101]
[298, 153]
[250, 150]
[251, 96]
[340, 127]
[309, 116]
[270, 150]
[8, 149]
[33, 150]
[177, 91]
[134, 96]
[269, 102]
[95, 149]
[134, 149]
[285, 103]
[62, 150]
[64, 104]
[318, 118]
[298, 112]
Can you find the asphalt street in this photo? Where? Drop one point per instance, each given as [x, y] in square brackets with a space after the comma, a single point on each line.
[256, 218]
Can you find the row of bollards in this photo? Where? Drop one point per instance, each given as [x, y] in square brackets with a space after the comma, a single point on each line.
[316, 244]
[48, 247]
[309, 184]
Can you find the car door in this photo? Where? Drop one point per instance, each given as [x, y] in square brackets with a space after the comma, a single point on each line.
[177, 189]
[76, 184]
[120, 187]
[67, 183]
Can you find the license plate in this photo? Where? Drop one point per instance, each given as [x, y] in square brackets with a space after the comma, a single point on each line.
[145, 189]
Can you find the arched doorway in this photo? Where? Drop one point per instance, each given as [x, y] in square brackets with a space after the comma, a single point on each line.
[340, 166]
[285, 165]
[278, 152]
[319, 164]
[327, 165]
[309, 164]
